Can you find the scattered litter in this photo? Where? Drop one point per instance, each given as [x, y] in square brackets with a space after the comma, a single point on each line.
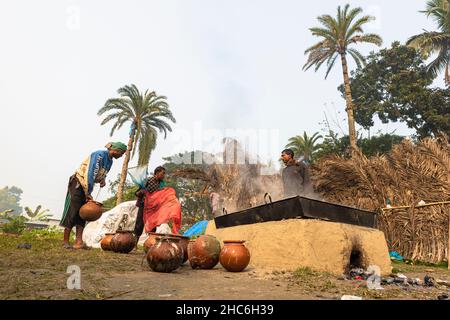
[401, 278]
[24, 246]
[443, 297]
[165, 295]
[388, 280]
[429, 281]
[348, 297]
[443, 283]
[415, 282]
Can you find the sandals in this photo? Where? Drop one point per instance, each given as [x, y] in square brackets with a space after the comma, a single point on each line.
[67, 246]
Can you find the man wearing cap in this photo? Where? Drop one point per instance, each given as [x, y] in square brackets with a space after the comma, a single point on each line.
[93, 170]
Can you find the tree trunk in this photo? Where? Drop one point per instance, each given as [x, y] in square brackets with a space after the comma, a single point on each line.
[123, 174]
[349, 101]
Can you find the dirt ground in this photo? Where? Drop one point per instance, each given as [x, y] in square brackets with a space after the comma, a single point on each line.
[40, 273]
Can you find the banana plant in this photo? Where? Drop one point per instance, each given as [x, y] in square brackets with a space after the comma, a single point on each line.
[37, 214]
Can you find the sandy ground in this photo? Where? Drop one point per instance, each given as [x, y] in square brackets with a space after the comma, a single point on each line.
[40, 273]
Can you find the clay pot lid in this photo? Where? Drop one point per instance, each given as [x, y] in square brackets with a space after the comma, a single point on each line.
[234, 241]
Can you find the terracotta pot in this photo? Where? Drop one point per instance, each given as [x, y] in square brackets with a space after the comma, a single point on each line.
[204, 252]
[106, 241]
[151, 240]
[91, 210]
[184, 242]
[166, 255]
[123, 242]
[234, 256]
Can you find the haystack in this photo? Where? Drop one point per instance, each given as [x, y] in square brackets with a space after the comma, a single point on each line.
[394, 185]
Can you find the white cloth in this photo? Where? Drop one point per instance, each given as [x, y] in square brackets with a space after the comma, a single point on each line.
[109, 222]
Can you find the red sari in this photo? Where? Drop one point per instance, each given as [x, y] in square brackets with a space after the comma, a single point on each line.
[161, 207]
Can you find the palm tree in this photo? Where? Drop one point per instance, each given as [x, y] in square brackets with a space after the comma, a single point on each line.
[436, 42]
[305, 146]
[146, 113]
[338, 34]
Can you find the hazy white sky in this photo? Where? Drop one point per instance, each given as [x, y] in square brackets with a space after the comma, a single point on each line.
[222, 64]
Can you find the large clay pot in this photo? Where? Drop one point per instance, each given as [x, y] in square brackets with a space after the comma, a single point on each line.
[234, 256]
[91, 210]
[184, 242]
[204, 252]
[166, 255]
[123, 242]
[151, 240]
[105, 244]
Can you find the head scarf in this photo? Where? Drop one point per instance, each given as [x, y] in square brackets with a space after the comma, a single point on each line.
[116, 146]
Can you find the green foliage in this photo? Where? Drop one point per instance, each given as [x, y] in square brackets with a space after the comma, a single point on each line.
[129, 191]
[395, 85]
[145, 111]
[37, 214]
[305, 146]
[338, 34]
[10, 199]
[15, 224]
[335, 145]
[437, 42]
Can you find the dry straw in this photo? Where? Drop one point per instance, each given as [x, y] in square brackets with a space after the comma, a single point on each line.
[409, 174]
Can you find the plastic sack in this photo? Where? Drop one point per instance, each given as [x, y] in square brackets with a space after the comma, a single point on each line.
[138, 175]
[197, 229]
[395, 256]
[123, 215]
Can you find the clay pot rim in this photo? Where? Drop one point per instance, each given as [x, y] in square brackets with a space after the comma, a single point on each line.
[167, 238]
[95, 202]
[233, 241]
[167, 235]
[123, 231]
[110, 234]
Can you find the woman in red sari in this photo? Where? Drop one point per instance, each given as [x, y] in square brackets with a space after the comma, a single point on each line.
[157, 204]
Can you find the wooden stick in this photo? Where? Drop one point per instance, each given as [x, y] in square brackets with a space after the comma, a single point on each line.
[418, 206]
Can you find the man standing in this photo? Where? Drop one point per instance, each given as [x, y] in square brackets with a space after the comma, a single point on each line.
[93, 170]
[295, 175]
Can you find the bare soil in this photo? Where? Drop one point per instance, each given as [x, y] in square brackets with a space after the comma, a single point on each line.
[40, 273]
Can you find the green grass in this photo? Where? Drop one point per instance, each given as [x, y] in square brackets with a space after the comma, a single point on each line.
[305, 272]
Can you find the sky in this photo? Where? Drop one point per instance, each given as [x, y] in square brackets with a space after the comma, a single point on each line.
[224, 66]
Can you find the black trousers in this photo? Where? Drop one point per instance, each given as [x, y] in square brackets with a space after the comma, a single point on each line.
[139, 226]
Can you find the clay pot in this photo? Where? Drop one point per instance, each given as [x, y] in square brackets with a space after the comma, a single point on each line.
[204, 252]
[234, 256]
[184, 242]
[166, 255]
[91, 210]
[151, 240]
[105, 244]
[123, 242]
